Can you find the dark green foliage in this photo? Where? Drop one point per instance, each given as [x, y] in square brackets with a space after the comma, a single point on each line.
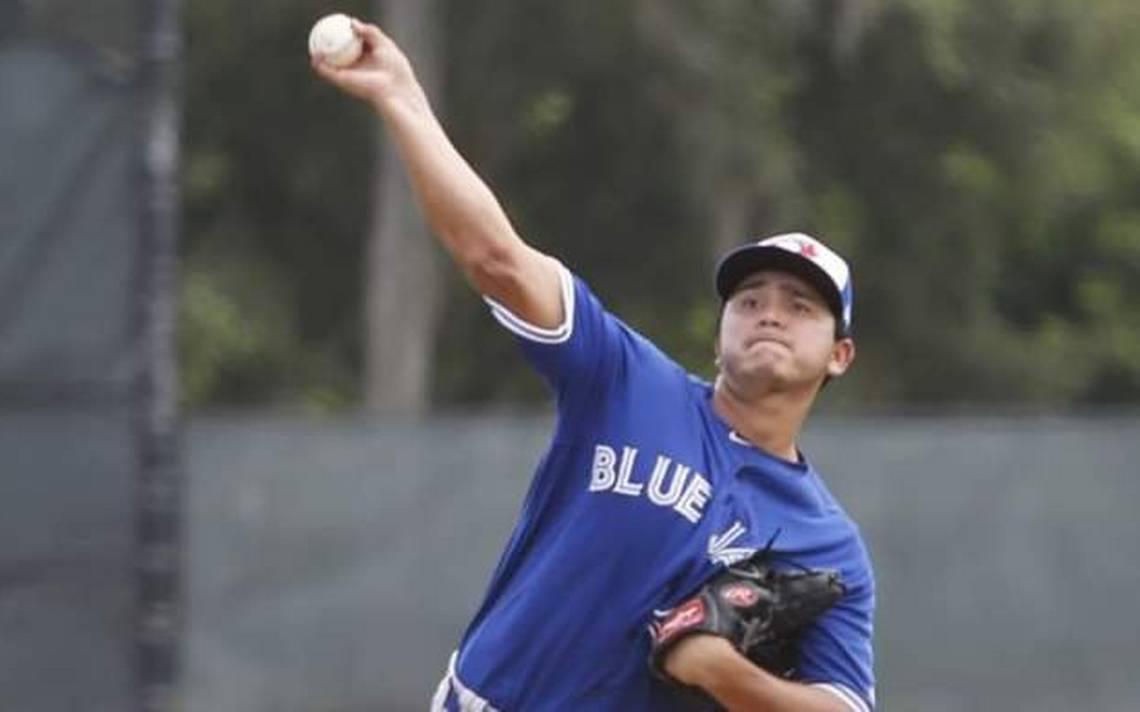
[978, 162]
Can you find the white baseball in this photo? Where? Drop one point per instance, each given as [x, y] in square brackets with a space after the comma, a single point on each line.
[333, 40]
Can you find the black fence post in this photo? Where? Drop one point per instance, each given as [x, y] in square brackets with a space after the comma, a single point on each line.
[158, 545]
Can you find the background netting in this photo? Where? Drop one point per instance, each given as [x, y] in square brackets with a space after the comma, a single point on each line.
[89, 603]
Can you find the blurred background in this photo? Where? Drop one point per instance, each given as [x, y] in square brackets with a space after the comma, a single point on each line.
[260, 446]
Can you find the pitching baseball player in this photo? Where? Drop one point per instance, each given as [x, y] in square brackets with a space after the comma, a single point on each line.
[655, 483]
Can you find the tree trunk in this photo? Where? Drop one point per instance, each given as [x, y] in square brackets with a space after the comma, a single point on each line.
[850, 20]
[402, 282]
[730, 211]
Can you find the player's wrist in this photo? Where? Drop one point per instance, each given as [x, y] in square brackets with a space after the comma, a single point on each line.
[698, 659]
[400, 100]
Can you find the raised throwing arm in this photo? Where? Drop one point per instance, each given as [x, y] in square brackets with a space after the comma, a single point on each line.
[460, 208]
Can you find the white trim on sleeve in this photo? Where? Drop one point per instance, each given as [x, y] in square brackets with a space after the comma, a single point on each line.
[469, 701]
[853, 701]
[519, 327]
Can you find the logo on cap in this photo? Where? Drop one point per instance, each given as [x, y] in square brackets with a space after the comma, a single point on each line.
[828, 271]
[819, 254]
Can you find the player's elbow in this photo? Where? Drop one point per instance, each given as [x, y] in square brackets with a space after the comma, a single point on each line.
[524, 281]
[492, 267]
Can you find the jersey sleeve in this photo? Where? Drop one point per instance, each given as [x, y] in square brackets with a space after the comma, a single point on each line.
[836, 653]
[586, 353]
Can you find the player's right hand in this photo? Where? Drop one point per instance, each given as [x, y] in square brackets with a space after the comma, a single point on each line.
[381, 72]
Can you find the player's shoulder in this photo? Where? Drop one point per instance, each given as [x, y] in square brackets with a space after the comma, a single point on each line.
[639, 350]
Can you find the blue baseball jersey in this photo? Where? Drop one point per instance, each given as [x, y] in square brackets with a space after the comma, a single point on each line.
[643, 494]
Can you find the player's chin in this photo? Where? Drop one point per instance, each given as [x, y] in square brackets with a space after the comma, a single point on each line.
[777, 375]
[767, 347]
[762, 376]
[774, 362]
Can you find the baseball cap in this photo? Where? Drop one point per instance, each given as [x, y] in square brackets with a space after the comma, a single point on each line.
[801, 255]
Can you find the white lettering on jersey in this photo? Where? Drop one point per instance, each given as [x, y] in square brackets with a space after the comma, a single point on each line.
[602, 476]
[694, 499]
[721, 549]
[676, 485]
[624, 484]
[687, 494]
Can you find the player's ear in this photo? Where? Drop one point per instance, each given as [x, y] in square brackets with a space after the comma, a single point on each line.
[842, 356]
[716, 334]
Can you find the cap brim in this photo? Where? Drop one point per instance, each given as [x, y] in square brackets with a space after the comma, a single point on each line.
[748, 259]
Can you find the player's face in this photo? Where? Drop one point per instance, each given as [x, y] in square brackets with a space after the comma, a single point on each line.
[777, 333]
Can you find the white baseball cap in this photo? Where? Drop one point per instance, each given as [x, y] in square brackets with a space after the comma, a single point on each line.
[799, 254]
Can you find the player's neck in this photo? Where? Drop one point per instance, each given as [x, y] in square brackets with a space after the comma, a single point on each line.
[771, 421]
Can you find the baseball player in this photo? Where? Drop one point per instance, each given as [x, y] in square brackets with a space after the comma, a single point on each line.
[654, 481]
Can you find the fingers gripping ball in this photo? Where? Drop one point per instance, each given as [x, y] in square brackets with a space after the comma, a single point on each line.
[758, 609]
[332, 40]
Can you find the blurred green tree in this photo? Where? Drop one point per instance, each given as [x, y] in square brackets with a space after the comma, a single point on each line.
[275, 187]
[983, 158]
[978, 162]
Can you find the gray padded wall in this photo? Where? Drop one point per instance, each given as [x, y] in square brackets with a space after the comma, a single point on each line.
[332, 566]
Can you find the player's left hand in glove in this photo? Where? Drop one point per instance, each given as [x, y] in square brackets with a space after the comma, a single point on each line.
[757, 608]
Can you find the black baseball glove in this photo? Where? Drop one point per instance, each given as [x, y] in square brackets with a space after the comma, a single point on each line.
[757, 608]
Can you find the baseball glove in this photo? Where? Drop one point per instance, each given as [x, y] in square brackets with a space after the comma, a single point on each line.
[757, 608]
